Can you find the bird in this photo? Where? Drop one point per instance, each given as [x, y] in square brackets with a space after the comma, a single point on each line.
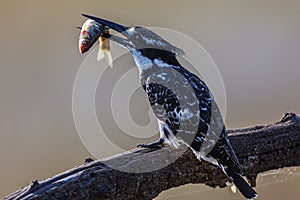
[182, 103]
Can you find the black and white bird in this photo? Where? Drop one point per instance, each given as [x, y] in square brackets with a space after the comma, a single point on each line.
[182, 102]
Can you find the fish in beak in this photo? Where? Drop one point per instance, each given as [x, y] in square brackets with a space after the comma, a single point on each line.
[136, 38]
[92, 31]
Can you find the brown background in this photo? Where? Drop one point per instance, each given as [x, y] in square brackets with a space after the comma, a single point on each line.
[255, 44]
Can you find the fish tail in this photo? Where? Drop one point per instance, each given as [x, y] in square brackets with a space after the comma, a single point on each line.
[108, 57]
[100, 54]
[104, 51]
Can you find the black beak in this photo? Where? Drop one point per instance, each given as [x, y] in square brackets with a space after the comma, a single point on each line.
[117, 27]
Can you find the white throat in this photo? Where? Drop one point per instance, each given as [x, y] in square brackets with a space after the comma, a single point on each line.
[145, 63]
[141, 61]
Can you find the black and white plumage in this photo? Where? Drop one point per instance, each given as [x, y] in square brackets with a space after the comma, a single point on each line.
[182, 102]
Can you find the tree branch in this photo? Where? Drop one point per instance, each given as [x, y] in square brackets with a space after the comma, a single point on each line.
[259, 149]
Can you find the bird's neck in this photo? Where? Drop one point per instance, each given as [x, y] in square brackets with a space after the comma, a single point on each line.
[143, 63]
[147, 59]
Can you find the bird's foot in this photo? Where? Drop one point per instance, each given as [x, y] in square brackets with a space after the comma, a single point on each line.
[154, 145]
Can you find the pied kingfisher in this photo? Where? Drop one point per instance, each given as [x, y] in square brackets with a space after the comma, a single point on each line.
[182, 102]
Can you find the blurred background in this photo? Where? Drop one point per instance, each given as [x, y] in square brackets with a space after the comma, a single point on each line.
[255, 44]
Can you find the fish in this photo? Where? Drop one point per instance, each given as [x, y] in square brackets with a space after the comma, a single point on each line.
[92, 31]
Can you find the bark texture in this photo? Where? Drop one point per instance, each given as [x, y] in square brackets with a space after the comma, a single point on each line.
[259, 149]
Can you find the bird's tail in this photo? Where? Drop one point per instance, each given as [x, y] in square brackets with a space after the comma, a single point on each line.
[240, 183]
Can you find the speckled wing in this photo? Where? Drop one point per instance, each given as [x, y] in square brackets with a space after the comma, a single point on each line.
[175, 102]
[216, 143]
[184, 103]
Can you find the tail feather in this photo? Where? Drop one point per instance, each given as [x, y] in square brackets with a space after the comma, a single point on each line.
[241, 184]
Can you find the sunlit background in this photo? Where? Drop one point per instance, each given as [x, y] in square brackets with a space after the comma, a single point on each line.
[255, 44]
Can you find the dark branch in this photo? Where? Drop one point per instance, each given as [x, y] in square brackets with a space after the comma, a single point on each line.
[259, 149]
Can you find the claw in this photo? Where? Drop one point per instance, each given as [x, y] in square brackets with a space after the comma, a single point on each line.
[154, 145]
[150, 146]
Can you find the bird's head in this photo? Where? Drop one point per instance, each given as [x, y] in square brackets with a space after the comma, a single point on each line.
[138, 39]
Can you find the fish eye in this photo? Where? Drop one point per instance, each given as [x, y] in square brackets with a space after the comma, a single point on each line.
[84, 43]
